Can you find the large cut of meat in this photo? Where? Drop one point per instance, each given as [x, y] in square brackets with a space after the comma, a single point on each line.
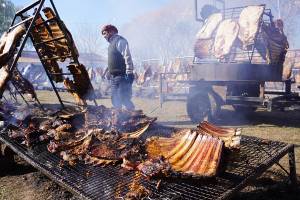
[203, 47]
[40, 33]
[249, 22]
[4, 78]
[60, 31]
[9, 42]
[289, 63]
[225, 38]
[80, 87]
[209, 26]
[189, 153]
[276, 45]
[230, 136]
[204, 41]
[22, 84]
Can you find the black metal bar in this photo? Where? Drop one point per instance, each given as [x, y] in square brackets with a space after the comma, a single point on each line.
[70, 43]
[47, 41]
[40, 105]
[38, 166]
[12, 95]
[109, 179]
[22, 22]
[27, 34]
[20, 93]
[45, 22]
[57, 57]
[4, 98]
[292, 163]
[55, 10]
[161, 95]
[288, 87]
[49, 77]
[28, 7]
[13, 21]
[263, 167]
[68, 74]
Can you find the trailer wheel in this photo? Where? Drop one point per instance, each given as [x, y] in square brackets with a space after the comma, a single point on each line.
[202, 106]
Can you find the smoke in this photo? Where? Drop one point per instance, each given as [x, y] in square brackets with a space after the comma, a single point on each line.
[170, 31]
[164, 33]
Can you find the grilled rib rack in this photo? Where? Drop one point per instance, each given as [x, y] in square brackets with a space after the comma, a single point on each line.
[88, 182]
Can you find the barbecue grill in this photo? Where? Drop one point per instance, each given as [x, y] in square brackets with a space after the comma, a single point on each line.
[91, 182]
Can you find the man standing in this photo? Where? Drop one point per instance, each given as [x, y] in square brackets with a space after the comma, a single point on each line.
[120, 68]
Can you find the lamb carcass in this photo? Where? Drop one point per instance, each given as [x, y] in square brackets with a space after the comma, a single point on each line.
[225, 37]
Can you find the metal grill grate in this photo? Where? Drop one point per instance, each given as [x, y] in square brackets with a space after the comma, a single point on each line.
[255, 156]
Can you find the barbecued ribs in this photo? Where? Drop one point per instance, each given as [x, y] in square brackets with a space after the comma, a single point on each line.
[230, 136]
[188, 153]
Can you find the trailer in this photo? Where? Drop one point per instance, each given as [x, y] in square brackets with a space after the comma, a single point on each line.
[242, 76]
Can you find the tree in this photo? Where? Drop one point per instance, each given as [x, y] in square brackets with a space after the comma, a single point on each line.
[88, 39]
[7, 12]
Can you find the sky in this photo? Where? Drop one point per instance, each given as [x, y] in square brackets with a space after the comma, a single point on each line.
[98, 12]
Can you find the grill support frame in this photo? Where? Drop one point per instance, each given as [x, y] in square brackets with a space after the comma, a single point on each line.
[74, 180]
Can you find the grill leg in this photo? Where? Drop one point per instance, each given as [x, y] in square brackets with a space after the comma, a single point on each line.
[292, 163]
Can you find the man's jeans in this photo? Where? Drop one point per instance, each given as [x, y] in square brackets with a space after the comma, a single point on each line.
[121, 92]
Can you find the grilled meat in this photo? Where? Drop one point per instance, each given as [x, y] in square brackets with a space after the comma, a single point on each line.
[58, 31]
[188, 153]
[225, 37]
[80, 87]
[9, 42]
[22, 84]
[136, 192]
[249, 22]
[155, 168]
[231, 137]
[4, 78]
[209, 26]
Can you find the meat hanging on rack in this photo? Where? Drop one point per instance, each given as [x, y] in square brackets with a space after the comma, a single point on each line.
[40, 34]
[80, 87]
[60, 31]
[8, 43]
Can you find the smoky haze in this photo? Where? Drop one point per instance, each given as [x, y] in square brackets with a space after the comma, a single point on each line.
[171, 30]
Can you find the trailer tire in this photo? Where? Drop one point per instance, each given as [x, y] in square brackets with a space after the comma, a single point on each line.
[203, 106]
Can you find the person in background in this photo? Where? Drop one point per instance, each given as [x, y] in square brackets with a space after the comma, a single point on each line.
[120, 68]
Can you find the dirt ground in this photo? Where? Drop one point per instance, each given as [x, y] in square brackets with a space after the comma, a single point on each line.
[22, 182]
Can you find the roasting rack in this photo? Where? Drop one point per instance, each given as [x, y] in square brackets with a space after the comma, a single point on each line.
[91, 182]
[28, 16]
